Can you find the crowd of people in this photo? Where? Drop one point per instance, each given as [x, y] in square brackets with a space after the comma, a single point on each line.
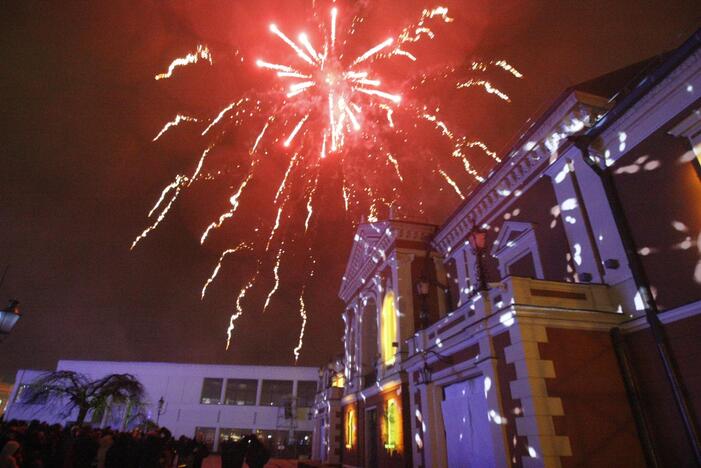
[40, 445]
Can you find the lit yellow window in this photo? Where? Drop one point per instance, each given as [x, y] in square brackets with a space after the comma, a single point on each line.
[338, 380]
[392, 419]
[350, 428]
[389, 328]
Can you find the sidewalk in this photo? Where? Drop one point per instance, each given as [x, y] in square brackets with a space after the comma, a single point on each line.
[214, 461]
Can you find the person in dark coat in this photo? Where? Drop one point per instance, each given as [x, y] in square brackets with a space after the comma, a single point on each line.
[257, 454]
[84, 449]
[233, 453]
[199, 452]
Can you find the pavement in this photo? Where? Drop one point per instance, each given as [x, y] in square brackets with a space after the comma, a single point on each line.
[214, 461]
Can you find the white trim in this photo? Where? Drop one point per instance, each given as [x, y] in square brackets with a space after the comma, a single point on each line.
[669, 316]
[507, 252]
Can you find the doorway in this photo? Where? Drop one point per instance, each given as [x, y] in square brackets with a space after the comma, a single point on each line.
[371, 438]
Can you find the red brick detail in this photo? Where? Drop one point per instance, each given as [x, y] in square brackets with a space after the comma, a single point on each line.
[656, 394]
[597, 417]
[505, 374]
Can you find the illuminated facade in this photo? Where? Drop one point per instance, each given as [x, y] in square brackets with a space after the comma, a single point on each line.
[536, 325]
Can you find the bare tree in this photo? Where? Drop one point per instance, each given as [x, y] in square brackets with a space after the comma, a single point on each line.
[76, 390]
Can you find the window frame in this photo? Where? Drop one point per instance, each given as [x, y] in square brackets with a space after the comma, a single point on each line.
[248, 402]
[221, 388]
[264, 401]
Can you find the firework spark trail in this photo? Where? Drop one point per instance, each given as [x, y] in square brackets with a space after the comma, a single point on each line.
[345, 195]
[310, 208]
[200, 163]
[334, 15]
[174, 123]
[483, 147]
[260, 135]
[389, 111]
[279, 68]
[215, 272]
[172, 186]
[274, 29]
[374, 50]
[395, 98]
[296, 130]
[415, 32]
[283, 184]
[302, 313]
[395, 163]
[457, 153]
[276, 274]
[457, 147]
[201, 53]
[452, 183]
[281, 189]
[177, 186]
[239, 308]
[234, 200]
[222, 113]
[308, 45]
[504, 65]
[276, 225]
[439, 124]
[487, 87]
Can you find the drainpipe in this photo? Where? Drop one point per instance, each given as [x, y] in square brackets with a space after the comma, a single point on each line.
[633, 394]
[643, 287]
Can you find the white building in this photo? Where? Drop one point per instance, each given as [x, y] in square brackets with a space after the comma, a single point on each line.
[219, 401]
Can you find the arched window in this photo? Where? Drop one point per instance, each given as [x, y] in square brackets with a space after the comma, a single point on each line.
[350, 428]
[392, 421]
[389, 328]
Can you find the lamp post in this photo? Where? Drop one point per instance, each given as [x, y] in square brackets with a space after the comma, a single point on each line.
[477, 239]
[422, 289]
[161, 402]
[8, 318]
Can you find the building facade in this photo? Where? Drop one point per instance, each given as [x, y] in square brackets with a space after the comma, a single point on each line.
[554, 318]
[217, 401]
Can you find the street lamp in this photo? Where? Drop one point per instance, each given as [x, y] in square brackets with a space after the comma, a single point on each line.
[477, 239]
[422, 289]
[9, 317]
[161, 402]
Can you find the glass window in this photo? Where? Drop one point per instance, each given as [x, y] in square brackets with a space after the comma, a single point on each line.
[211, 391]
[389, 329]
[350, 428]
[392, 425]
[306, 391]
[206, 435]
[338, 380]
[274, 392]
[240, 392]
[232, 434]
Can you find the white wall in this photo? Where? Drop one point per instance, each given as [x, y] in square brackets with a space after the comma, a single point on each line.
[180, 385]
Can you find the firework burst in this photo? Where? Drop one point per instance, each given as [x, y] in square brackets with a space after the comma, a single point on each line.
[329, 107]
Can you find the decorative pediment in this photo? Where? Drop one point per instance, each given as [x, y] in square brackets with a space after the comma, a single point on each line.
[509, 235]
[372, 246]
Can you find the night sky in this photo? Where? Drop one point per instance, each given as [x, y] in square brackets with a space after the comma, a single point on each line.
[79, 171]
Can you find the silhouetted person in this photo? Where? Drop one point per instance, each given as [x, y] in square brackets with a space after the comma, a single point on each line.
[233, 453]
[257, 454]
[7, 455]
[199, 452]
[84, 449]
